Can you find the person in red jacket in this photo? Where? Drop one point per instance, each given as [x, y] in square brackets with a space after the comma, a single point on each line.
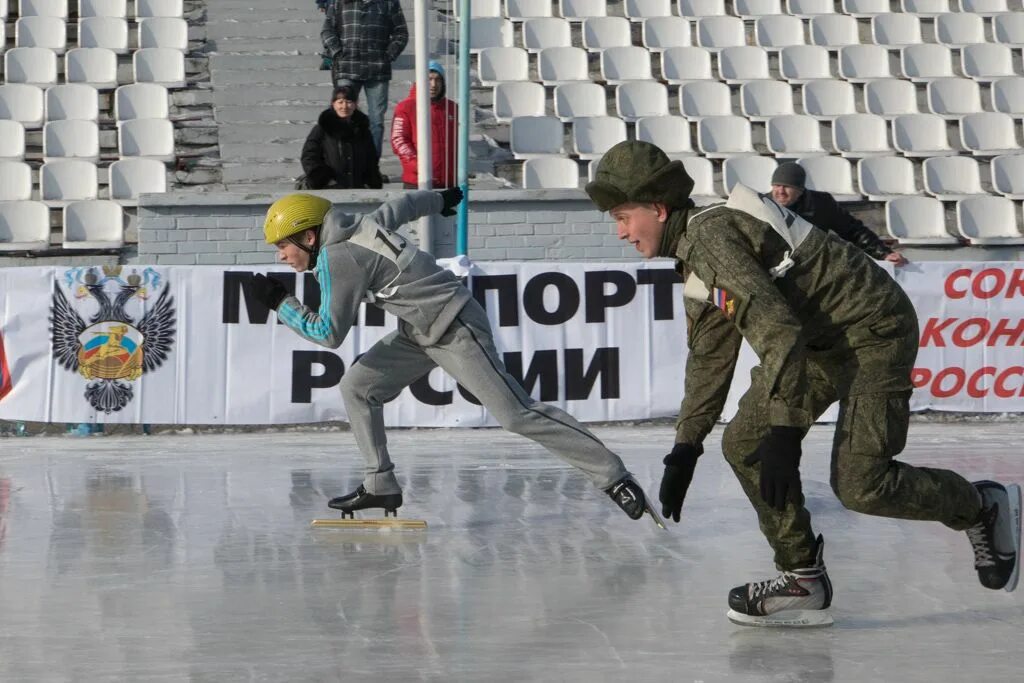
[444, 117]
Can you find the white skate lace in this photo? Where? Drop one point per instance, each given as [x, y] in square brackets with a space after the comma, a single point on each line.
[765, 588]
[982, 551]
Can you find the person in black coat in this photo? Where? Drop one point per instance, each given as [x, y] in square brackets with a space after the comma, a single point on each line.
[339, 152]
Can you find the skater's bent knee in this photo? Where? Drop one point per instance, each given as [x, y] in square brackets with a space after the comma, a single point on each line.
[866, 493]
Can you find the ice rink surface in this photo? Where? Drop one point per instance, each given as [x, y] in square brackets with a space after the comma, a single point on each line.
[190, 558]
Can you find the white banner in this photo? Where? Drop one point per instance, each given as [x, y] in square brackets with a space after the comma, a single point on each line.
[604, 341]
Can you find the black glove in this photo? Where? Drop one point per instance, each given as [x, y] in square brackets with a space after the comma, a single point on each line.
[679, 465]
[779, 455]
[452, 197]
[267, 291]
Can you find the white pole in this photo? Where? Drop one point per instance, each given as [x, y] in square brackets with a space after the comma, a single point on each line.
[424, 164]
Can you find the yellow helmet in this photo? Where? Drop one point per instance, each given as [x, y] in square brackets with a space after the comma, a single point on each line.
[292, 214]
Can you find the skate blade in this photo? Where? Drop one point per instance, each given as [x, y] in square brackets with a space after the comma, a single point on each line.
[1013, 494]
[656, 517]
[794, 618]
[386, 523]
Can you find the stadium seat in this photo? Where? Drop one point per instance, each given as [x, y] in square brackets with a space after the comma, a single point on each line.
[637, 99]
[522, 10]
[670, 133]
[601, 33]
[102, 8]
[778, 31]
[751, 10]
[534, 136]
[834, 31]
[24, 226]
[761, 100]
[714, 33]
[701, 171]
[135, 176]
[917, 220]
[808, 9]
[43, 8]
[547, 173]
[952, 98]
[794, 136]
[1008, 96]
[988, 220]
[95, 224]
[490, 32]
[30, 65]
[500, 64]
[658, 34]
[3, 35]
[923, 63]
[481, 8]
[743, 63]
[827, 99]
[862, 63]
[546, 32]
[141, 101]
[48, 32]
[830, 174]
[698, 99]
[803, 63]
[585, 98]
[921, 135]
[884, 178]
[159, 65]
[23, 103]
[753, 171]
[695, 9]
[890, 97]
[72, 101]
[579, 10]
[989, 134]
[860, 135]
[12, 140]
[985, 8]
[106, 32]
[71, 138]
[557, 65]
[958, 30]
[724, 136]
[865, 9]
[595, 135]
[1008, 175]
[952, 178]
[67, 180]
[638, 10]
[95, 66]
[153, 138]
[15, 180]
[987, 62]
[620, 64]
[1008, 29]
[896, 30]
[681, 65]
[925, 8]
[158, 8]
[166, 32]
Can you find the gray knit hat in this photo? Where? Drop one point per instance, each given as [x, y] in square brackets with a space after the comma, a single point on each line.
[789, 173]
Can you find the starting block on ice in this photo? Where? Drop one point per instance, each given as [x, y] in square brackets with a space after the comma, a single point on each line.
[383, 523]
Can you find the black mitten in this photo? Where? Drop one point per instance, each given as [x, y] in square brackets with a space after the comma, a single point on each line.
[267, 291]
[452, 197]
[679, 466]
[779, 455]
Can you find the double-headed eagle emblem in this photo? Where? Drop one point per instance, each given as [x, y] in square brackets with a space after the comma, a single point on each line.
[111, 349]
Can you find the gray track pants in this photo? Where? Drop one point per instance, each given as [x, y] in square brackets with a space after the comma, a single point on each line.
[466, 352]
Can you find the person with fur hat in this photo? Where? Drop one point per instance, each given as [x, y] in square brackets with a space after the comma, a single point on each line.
[827, 325]
[444, 121]
[339, 152]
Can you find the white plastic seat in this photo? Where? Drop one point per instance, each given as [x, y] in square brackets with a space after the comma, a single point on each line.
[957, 30]
[557, 65]
[925, 8]
[778, 31]
[546, 32]
[698, 99]
[24, 226]
[917, 220]
[72, 101]
[12, 140]
[95, 66]
[753, 171]
[923, 63]
[638, 10]
[153, 138]
[827, 99]
[31, 65]
[522, 10]
[579, 10]
[695, 9]
[952, 98]
[23, 103]
[702, 172]
[1008, 175]
[794, 136]
[481, 8]
[884, 178]
[71, 138]
[808, 9]
[500, 64]
[490, 32]
[159, 65]
[601, 33]
[984, 7]
[620, 64]
[988, 220]
[48, 32]
[546, 173]
[683, 64]
[534, 136]
[803, 63]
[761, 100]
[861, 63]
[43, 8]
[1008, 96]
[585, 98]
[595, 135]
[158, 8]
[921, 135]
[637, 99]
[987, 62]
[106, 32]
[135, 176]
[830, 174]
[865, 9]
[660, 33]
[1008, 29]
[714, 33]
[834, 31]
[752, 10]
[95, 224]
[860, 135]
[15, 181]
[724, 136]
[989, 134]
[952, 178]
[141, 101]
[743, 63]
[169, 32]
[64, 180]
[522, 98]
[896, 30]
[102, 8]
[670, 133]
[890, 97]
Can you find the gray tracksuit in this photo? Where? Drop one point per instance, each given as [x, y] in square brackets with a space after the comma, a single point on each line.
[440, 324]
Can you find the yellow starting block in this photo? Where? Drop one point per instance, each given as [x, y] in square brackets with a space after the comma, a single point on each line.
[385, 523]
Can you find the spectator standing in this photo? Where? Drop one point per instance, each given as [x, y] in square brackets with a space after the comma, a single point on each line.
[325, 59]
[444, 118]
[339, 150]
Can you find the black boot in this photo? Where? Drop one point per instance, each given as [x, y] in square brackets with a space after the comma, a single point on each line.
[996, 536]
[361, 500]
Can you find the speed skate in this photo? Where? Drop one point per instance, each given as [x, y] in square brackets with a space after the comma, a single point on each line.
[361, 499]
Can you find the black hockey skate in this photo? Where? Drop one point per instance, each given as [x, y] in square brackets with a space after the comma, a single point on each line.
[361, 500]
[996, 537]
[628, 495]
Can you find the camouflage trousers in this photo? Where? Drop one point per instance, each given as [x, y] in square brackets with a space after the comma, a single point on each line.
[870, 432]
